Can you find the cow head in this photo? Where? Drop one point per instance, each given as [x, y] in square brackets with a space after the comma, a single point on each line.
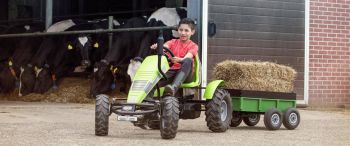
[89, 45]
[84, 44]
[7, 80]
[44, 79]
[27, 80]
[102, 78]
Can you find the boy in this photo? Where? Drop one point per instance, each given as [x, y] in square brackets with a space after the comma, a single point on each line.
[185, 51]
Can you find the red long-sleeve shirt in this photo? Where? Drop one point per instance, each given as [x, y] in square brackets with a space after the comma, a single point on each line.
[180, 49]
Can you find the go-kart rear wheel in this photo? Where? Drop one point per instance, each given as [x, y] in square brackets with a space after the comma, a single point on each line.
[169, 117]
[251, 119]
[101, 115]
[218, 111]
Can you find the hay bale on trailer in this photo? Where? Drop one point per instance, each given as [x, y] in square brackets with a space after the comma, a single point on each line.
[258, 76]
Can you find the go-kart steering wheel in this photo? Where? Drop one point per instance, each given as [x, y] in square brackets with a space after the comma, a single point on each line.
[166, 53]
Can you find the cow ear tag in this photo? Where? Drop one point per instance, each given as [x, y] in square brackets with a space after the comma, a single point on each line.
[115, 70]
[96, 45]
[70, 47]
[10, 63]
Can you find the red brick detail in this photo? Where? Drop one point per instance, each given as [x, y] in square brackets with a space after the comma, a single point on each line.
[329, 64]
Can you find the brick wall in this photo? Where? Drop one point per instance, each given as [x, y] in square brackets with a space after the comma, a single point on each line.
[329, 84]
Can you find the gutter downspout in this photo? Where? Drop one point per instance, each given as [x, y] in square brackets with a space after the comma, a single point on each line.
[305, 101]
[205, 4]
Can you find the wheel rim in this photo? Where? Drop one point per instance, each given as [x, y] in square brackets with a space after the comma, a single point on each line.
[293, 118]
[253, 118]
[223, 110]
[275, 119]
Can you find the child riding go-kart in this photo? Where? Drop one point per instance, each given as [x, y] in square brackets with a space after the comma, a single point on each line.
[163, 111]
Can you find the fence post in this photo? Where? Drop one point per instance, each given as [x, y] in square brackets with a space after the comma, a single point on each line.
[48, 18]
[110, 35]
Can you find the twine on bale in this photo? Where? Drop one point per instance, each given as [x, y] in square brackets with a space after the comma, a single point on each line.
[258, 76]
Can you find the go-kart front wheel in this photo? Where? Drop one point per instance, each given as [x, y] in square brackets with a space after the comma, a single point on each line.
[101, 115]
[169, 117]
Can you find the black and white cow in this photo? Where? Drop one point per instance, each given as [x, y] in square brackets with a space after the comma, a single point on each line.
[93, 47]
[114, 65]
[104, 77]
[42, 62]
[67, 52]
[161, 17]
[19, 54]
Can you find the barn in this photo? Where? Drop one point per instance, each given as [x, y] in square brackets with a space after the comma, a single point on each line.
[310, 36]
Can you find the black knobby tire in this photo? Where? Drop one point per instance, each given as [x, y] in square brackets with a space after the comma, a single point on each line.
[154, 125]
[291, 118]
[218, 111]
[154, 122]
[236, 119]
[169, 117]
[273, 119]
[101, 115]
[251, 119]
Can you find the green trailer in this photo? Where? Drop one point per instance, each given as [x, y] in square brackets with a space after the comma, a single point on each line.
[277, 108]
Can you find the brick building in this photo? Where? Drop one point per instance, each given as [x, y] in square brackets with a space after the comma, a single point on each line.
[329, 53]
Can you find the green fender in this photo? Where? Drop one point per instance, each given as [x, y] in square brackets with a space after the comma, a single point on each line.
[211, 87]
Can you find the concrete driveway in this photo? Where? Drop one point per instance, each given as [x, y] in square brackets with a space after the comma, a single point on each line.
[35, 123]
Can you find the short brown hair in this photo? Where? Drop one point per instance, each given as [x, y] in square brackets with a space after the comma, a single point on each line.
[189, 22]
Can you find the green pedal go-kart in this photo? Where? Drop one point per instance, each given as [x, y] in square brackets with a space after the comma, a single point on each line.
[147, 105]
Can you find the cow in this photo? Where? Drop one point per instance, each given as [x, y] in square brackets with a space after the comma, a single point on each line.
[18, 54]
[114, 65]
[59, 62]
[103, 80]
[161, 17]
[80, 48]
[67, 52]
[93, 47]
[42, 62]
[7, 84]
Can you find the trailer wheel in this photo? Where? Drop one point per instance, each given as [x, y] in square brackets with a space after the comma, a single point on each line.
[273, 119]
[236, 119]
[251, 119]
[169, 117]
[101, 115]
[291, 118]
[218, 111]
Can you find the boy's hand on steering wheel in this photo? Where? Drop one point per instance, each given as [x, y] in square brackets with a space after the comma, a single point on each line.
[154, 46]
[176, 59]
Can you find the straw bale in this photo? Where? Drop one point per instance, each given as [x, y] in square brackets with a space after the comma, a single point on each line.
[259, 76]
